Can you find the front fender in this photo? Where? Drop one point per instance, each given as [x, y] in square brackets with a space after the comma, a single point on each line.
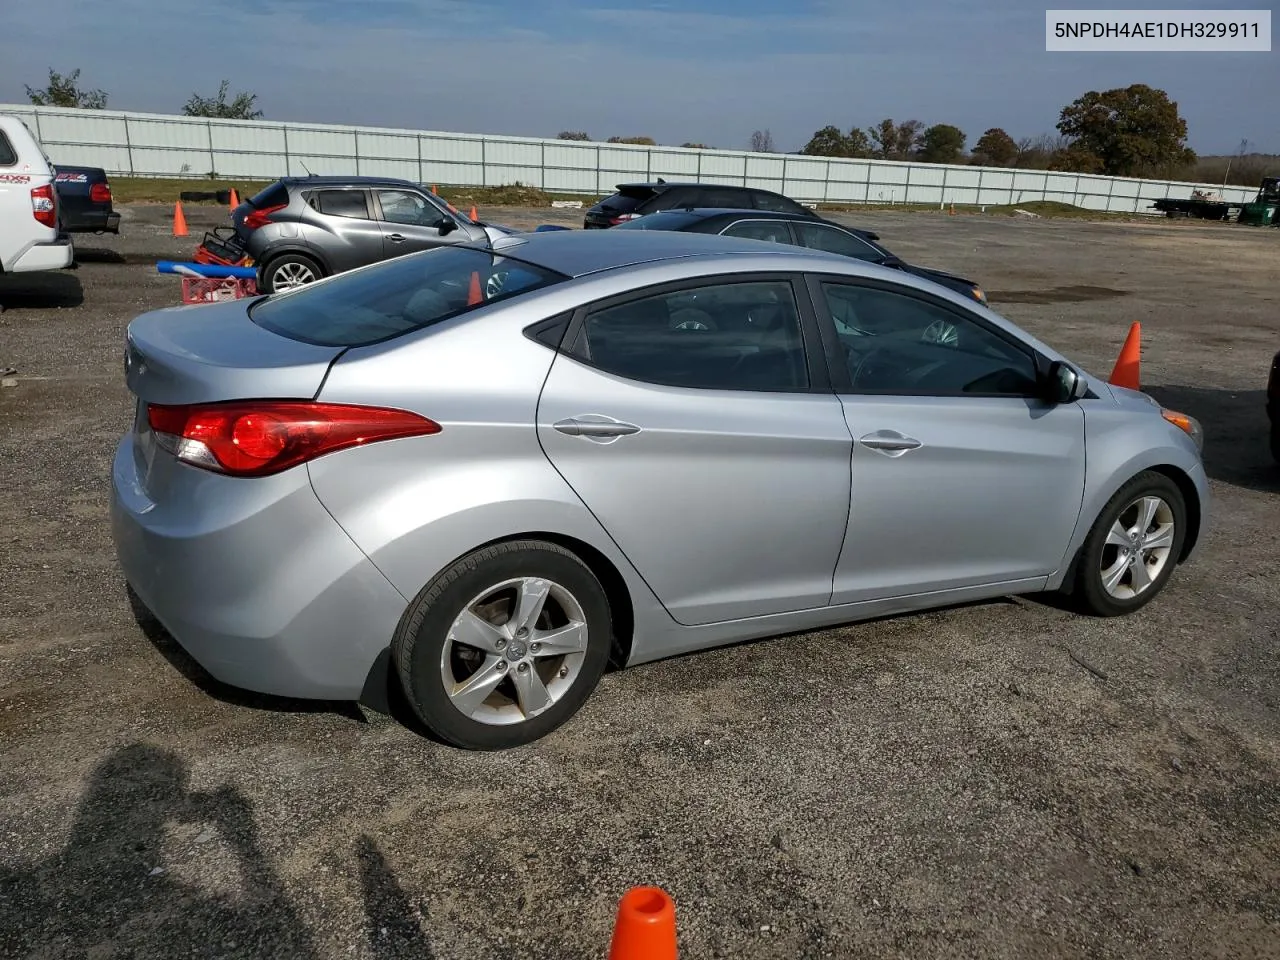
[1121, 443]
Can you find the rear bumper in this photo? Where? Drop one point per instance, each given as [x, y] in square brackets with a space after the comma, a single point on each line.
[54, 255]
[254, 579]
[93, 221]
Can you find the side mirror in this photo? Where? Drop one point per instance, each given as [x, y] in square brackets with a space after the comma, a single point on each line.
[446, 226]
[1063, 384]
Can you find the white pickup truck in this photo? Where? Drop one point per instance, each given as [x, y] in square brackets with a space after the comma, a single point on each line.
[29, 235]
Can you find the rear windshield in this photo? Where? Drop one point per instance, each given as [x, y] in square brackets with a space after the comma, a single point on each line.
[396, 297]
[666, 220]
[627, 199]
[273, 196]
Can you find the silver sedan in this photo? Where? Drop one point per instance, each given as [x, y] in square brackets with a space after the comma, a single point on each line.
[485, 473]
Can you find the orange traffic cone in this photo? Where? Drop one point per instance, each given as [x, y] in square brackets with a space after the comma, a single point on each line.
[475, 217]
[474, 295]
[179, 221]
[953, 208]
[433, 189]
[235, 200]
[1127, 371]
[646, 926]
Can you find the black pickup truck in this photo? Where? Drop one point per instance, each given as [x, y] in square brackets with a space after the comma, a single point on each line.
[84, 200]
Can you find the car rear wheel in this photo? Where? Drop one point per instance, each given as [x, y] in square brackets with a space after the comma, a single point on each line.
[504, 646]
[290, 270]
[1130, 553]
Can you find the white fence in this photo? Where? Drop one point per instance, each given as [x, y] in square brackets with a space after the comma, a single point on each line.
[158, 145]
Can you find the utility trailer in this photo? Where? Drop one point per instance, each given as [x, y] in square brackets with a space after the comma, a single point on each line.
[1207, 205]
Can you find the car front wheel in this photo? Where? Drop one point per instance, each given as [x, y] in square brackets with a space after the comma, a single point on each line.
[1132, 548]
[504, 646]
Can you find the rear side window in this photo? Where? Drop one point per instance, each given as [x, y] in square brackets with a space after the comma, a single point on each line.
[396, 297]
[775, 231]
[273, 196]
[773, 201]
[341, 203]
[8, 155]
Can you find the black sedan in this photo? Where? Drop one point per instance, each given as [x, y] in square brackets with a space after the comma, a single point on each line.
[807, 231]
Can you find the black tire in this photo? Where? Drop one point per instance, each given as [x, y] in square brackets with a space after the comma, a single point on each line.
[418, 647]
[272, 268]
[1088, 594]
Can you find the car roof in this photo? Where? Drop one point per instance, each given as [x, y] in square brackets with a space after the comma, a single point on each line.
[733, 213]
[352, 181]
[576, 253]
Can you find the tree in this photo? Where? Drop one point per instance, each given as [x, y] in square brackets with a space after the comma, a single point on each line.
[995, 148]
[890, 141]
[697, 146]
[643, 141]
[241, 108]
[572, 135]
[941, 143]
[1132, 131]
[830, 142]
[64, 92]
[762, 142]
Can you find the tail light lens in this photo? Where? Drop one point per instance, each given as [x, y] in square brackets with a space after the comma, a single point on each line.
[43, 206]
[256, 438]
[622, 218]
[100, 193]
[260, 218]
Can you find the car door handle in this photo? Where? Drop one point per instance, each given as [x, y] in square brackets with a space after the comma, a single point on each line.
[396, 238]
[889, 442]
[596, 428]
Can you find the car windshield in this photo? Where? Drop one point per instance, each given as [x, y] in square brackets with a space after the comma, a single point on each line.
[397, 296]
[666, 220]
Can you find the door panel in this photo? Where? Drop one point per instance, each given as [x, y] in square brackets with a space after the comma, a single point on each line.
[409, 224]
[989, 492]
[342, 227]
[731, 503]
[962, 476]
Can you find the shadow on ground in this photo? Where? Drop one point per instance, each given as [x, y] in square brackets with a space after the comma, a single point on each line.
[185, 664]
[1237, 431]
[117, 885]
[43, 290]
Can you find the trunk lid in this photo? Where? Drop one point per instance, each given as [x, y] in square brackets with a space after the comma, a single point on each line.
[208, 352]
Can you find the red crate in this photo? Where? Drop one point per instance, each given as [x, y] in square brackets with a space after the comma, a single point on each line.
[210, 290]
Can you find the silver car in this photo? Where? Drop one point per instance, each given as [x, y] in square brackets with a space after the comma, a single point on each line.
[484, 472]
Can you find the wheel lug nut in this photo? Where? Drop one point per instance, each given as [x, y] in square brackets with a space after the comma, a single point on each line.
[523, 668]
[502, 644]
[564, 672]
[502, 665]
[535, 647]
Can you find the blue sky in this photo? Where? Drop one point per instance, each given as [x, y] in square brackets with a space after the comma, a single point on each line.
[698, 70]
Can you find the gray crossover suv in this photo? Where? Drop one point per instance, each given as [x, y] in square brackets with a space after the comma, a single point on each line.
[300, 229]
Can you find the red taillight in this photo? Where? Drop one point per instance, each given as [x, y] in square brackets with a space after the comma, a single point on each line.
[255, 438]
[100, 193]
[260, 218]
[43, 206]
[622, 218]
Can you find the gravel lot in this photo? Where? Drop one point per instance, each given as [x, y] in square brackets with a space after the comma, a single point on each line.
[952, 784]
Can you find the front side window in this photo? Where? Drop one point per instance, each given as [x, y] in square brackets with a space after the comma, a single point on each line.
[821, 237]
[900, 344]
[777, 203]
[729, 336]
[397, 296]
[407, 207]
